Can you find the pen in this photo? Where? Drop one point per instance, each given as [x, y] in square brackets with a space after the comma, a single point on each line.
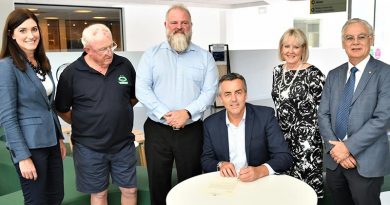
[238, 173]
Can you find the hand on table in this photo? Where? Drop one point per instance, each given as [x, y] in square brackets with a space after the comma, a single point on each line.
[248, 174]
[227, 169]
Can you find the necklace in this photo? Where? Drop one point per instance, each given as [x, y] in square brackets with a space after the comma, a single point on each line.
[37, 69]
[285, 93]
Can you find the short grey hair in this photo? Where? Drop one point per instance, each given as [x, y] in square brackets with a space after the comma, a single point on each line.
[180, 7]
[91, 31]
[357, 20]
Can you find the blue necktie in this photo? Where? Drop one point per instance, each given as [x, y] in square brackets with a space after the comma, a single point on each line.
[345, 104]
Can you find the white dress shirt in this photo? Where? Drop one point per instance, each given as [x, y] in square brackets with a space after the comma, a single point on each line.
[236, 136]
[361, 66]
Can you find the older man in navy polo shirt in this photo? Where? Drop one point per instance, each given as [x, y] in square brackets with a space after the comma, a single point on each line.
[96, 94]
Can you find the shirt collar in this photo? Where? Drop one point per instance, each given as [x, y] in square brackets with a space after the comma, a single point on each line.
[115, 61]
[360, 66]
[228, 123]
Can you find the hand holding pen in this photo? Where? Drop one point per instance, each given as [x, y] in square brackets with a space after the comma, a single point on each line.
[249, 173]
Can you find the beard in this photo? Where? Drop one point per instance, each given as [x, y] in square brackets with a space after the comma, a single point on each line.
[179, 40]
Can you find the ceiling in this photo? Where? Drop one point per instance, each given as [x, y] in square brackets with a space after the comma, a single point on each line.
[199, 3]
[210, 3]
[203, 3]
[49, 8]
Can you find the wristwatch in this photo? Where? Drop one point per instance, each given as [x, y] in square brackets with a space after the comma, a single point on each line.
[189, 114]
[219, 165]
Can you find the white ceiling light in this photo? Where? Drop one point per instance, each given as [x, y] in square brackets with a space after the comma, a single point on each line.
[82, 11]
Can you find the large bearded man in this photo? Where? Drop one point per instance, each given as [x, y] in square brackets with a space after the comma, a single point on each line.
[176, 82]
[179, 36]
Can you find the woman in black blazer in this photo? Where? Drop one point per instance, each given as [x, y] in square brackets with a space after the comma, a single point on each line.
[32, 130]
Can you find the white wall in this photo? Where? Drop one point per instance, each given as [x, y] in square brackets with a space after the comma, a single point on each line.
[248, 29]
[144, 26]
[6, 7]
[363, 9]
[330, 28]
[382, 29]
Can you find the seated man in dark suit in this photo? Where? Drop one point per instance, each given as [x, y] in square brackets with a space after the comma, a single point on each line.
[243, 140]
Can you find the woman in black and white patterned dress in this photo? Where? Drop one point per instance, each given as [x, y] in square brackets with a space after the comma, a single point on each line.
[296, 92]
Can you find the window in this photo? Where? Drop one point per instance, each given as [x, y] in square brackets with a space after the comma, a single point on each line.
[312, 30]
[62, 26]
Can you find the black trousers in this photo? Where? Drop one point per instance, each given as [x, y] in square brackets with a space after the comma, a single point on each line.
[48, 189]
[163, 145]
[348, 187]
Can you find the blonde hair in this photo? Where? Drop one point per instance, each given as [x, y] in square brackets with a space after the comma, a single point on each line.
[302, 41]
[91, 31]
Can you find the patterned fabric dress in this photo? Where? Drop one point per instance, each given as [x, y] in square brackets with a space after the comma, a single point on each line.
[297, 114]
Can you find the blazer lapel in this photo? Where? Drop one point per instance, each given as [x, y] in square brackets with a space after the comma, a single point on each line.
[224, 133]
[368, 72]
[249, 120]
[338, 88]
[342, 80]
[33, 77]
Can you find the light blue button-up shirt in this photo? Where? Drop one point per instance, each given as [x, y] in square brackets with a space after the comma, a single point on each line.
[168, 81]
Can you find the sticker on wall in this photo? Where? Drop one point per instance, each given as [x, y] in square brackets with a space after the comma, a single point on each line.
[375, 52]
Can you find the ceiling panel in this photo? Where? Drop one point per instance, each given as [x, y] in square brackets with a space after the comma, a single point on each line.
[200, 3]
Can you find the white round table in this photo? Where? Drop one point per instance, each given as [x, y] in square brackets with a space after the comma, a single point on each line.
[385, 197]
[211, 188]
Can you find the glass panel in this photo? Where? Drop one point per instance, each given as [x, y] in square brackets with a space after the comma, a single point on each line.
[312, 30]
[62, 26]
[313, 27]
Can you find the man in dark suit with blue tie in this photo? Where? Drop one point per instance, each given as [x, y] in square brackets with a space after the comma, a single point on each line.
[243, 140]
[354, 117]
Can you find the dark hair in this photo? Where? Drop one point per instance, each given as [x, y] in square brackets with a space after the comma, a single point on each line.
[11, 48]
[231, 77]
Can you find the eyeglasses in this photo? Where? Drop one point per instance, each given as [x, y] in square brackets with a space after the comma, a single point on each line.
[360, 37]
[108, 48]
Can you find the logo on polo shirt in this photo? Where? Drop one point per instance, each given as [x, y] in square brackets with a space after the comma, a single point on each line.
[122, 80]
